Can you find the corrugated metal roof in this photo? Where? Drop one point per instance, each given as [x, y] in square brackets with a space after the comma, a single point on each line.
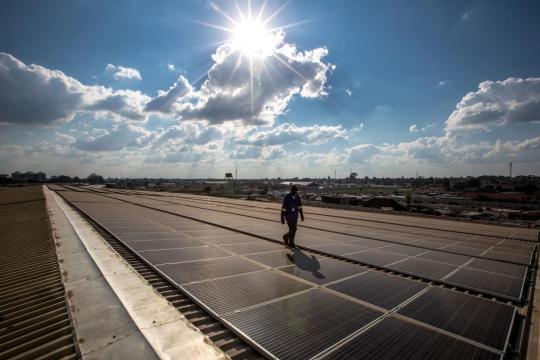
[34, 318]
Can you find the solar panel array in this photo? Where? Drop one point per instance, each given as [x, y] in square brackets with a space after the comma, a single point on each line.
[444, 259]
[304, 304]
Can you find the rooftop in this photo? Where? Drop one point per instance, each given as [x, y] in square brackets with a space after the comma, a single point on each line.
[360, 284]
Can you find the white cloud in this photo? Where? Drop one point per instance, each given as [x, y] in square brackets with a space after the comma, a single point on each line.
[414, 128]
[119, 138]
[513, 100]
[32, 94]
[166, 101]
[253, 92]
[349, 92]
[444, 83]
[246, 152]
[189, 133]
[287, 133]
[171, 67]
[123, 73]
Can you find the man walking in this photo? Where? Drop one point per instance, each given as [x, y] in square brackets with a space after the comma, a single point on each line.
[292, 205]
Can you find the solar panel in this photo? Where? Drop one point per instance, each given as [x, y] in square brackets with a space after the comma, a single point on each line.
[395, 339]
[179, 255]
[153, 236]
[192, 271]
[339, 248]
[487, 322]
[301, 326]
[369, 243]
[163, 244]
[445, 257]
[226, 295]
[501, 285]
[376, 257]
[281, 258]
[405, 250]
[384, 290]
[498, 267]
[424, 268]
[497, 255]
[227, 239]
[465, 250]
[322, 270]
[255, 247]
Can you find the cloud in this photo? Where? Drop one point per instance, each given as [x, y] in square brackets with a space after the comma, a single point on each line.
[414, 128]
[287, 133]
[254, 90]
[189, 133]
[246, 152]
[123, 73]
[444, 83]
[496, 103]
[171, 67]
[120, 137]
[363, 152]
[34, 95]
[349, 92]
[166, 101]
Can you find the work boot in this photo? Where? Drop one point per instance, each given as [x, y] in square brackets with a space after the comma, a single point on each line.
[286, 239]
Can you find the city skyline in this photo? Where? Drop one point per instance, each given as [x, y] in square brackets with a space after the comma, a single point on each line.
[195, 89]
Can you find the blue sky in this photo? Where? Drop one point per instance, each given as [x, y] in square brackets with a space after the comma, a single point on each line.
[385, 88]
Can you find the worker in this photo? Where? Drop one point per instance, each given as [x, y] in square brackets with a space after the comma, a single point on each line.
[292, 205]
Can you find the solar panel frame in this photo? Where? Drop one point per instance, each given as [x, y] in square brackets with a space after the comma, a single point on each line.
[172, 256]
[376, 257]
[380, 289]
[427, 269]
[464, 315]
[244, 290]
[397, 339]
[468, 279]
[323, 270]
[303, 325]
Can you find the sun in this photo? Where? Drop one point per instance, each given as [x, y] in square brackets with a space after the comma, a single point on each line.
[252, 38]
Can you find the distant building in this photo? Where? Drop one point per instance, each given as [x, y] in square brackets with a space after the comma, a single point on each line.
[353, 176]
[29, 176]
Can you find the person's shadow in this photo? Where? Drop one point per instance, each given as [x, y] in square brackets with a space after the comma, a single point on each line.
[304, 262]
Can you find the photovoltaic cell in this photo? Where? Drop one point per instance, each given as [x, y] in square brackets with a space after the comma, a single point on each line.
[280, 258]
[498, 255]
[376, 257]
[225, 295]
[424, 268]
[487, 322]
[163, 244]
[444, 257]
[395, 339]
[188, 272]
[153, 236]
[404, 249]
[322, 270]
[178, 255]
[228, 239]
[301, 326]
[462, 249]
[339, 248]
[498, 267]
[501, 285]
[384, 290]
[256, 246]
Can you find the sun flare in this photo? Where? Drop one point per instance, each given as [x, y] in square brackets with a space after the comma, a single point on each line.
[253, 39]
